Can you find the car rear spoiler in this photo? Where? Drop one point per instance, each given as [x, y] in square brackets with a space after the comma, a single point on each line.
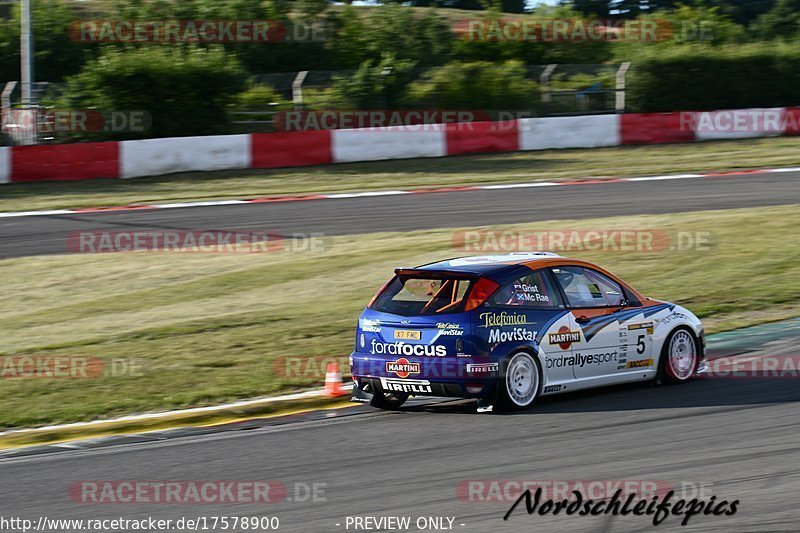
[434, 274]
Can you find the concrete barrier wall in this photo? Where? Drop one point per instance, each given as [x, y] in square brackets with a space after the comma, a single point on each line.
[183, 154]
[79, 161]
[5, 165]
[588, 131]
[482, 137]
[739, 123]
[656, 128]
[131, 159]
[396, 142]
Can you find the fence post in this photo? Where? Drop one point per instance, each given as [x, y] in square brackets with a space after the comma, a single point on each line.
[544, 85]
[5, 98]
[620, 92]
[297, 89]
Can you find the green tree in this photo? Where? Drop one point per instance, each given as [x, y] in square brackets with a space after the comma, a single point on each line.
[360, 35]
[374, 85]
[732, 77]
[57, 51]
[781, 22]
[186, 90]
[479, 85]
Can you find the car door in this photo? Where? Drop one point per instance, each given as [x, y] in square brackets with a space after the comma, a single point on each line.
[524, 310]
[594, 301]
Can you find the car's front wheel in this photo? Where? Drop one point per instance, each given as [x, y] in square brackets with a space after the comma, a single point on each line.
[679, 357]
[520, 381]
[388, 400]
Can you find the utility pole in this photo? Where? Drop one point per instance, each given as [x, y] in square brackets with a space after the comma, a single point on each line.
[26, 53]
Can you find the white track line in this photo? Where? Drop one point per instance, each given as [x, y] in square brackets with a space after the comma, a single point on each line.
[370, 194]
[195, 410]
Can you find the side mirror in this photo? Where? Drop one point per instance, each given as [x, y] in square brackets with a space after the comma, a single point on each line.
[624, 303]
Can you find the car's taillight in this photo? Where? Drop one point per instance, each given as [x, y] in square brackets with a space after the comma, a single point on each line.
[480, 293]
[380, 291]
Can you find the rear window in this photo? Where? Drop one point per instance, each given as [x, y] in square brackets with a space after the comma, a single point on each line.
[416, 296]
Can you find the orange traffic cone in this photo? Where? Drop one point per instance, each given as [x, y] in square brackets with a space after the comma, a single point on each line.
[333, 382]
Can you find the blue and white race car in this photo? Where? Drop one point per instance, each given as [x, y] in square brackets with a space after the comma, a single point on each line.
[506, 329]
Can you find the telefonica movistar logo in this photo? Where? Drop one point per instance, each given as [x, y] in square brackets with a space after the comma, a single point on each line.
[494, 320]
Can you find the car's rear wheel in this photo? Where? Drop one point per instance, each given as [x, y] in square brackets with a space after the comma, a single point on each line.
[520, 381]
[388, 400]
[679, 357]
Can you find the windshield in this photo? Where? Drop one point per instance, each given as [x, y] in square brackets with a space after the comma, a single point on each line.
[408, 295]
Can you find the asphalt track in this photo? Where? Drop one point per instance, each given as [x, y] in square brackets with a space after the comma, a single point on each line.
[38, 235]
[736, 438]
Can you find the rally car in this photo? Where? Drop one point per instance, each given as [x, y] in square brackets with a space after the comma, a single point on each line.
[507, 329]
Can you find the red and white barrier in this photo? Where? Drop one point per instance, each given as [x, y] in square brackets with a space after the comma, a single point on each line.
[482, 137]
[738, 123]
[131, 159]
[79, 161]
[589, 131]
[654, 128]
[153, 157]
[394, 142]
[5, 165]
[792, 123]
[291, 149]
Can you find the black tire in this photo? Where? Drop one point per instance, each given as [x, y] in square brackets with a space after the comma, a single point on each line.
[388, 400]
[520, 382]
[671, 372]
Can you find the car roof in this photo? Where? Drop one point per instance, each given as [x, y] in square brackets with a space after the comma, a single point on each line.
[498, 266]
[488, 264]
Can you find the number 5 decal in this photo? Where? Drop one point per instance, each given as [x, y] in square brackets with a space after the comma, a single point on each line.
[640, 345]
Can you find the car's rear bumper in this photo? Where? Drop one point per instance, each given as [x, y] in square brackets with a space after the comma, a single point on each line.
[424, 387]
[449, 377]
[439, 369]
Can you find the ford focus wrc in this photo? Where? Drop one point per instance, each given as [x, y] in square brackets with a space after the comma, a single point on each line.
[506, 329]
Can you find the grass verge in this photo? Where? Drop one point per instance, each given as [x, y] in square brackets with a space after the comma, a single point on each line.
[414, 173]
[267, 409]
[210, 328]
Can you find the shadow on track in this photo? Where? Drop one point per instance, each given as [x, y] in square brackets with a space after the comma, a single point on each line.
[700, 392]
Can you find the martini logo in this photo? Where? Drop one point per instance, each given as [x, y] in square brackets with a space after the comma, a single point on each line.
[564, 338]
[402, 367]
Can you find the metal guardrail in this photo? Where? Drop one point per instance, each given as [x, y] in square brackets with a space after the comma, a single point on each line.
[587, 102]
[606, 94]
[20, 124]
[253, 121]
